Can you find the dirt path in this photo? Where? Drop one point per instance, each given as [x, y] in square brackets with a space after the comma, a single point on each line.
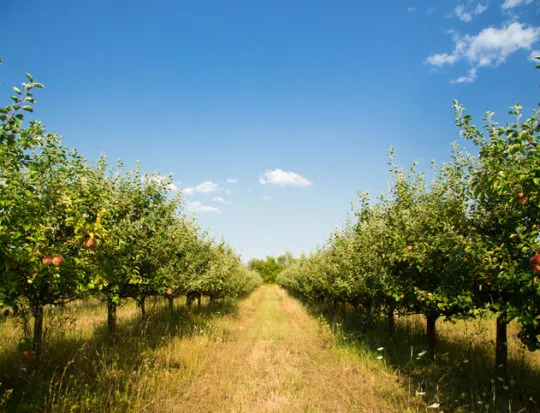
[272, 357]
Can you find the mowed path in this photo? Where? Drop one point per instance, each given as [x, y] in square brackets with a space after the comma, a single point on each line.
[273, 357]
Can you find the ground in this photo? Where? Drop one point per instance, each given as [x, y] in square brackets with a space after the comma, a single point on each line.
[273, 357]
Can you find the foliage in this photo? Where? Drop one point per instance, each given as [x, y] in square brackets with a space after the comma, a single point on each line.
[70, 230]
[270, 267]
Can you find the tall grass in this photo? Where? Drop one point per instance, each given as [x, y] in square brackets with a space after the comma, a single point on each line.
[81, 370]
[461, 378]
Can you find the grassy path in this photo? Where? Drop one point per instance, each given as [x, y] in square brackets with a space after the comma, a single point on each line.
[272, 357]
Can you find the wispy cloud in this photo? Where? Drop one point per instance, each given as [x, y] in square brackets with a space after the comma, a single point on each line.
[266, 198]
[471, 77]
[489, 48]
[282, 178]
[205, 188]
[232, 180]
[199, 208]
[222, 201]
[466, 14]
[411, 9]
[430, 10]
[510, 4]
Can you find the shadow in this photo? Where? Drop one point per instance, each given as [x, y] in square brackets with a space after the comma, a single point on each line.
[462, 374]
[90, 365]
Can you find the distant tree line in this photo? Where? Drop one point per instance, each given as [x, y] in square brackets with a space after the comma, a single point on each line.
[270, 267]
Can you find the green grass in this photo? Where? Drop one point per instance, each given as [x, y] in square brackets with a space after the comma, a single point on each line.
[81, 371]
[461, 379]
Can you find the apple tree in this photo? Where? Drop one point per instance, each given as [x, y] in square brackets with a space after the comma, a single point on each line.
[505, 208]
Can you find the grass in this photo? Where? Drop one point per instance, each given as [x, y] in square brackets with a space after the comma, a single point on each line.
[263, 354]
[82, 371]
[461, 379]
[266, 353]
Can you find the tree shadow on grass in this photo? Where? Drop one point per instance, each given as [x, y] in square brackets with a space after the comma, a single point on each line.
[460, 379]
[82, 368]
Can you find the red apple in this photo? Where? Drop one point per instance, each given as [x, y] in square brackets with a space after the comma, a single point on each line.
[535, 259]
[26, 354]
[57, 260]
[90, 243]
[410, 247]
[169, 291]
[47, 260]
[535, 268]
[521, 194]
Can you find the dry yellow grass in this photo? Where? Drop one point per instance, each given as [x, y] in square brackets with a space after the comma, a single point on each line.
[265, 353]
[268, 355]
[272, 358]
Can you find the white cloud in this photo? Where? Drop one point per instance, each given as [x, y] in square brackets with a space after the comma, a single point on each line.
[441, 59]
[489, 48]
[200, 208]
[222, 201]
[205, 188]
[510, 4]
[471, 77]
[465, 15]
[480, 9]
[411, 9]
[430, 10]
[266, 198]
[282, 178]
[232, 180]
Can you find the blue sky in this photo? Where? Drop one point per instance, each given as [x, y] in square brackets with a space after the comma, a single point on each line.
[270, 114]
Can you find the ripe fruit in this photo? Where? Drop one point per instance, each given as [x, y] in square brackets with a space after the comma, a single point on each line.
[522, 201]
[169, 291]
[90, 242]
[26, 354]
[47, 260]
[535, 263]
[410, 247]
[521, 194]
[57, 260]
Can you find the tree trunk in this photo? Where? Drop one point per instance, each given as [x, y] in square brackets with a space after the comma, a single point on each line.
[171, 302]
[199, 300]
[431, 319]
[142, 306]
[391, 323]
[111, 319]
[501, 349]
[37, 343]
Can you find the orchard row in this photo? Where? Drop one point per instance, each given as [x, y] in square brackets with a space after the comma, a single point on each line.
[69, 230]
[463, 244]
